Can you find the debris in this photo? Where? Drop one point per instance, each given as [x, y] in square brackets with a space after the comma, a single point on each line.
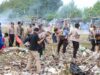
[14, 61]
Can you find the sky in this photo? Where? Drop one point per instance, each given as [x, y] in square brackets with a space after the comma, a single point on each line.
[1, 1]
[78, 3]
[81, 3]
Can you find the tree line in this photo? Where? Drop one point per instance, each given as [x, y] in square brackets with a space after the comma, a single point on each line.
[48, 9]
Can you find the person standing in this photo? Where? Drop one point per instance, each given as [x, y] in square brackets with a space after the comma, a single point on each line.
[75, 36]
[97, 36]
[33, 49]
[58, 33]
[0, 27]
[41, 34]
[92, 36]
[20, 32]
[62, 38]
[11, 34]
[1, 39]
[66, 31]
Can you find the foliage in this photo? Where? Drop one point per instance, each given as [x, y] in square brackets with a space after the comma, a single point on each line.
[70, 11]
[40, 8]
[48, 9]
[92, 12]
[51, 16]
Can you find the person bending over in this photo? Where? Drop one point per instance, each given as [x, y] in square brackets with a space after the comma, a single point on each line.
[33, 49]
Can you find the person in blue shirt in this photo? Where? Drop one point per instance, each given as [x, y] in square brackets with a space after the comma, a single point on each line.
[65, 31]
[65, 34]
[1, 38]
[63, 39]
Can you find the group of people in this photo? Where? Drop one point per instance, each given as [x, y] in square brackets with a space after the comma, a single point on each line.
[37, 38]
[63, 37]
[10, 36]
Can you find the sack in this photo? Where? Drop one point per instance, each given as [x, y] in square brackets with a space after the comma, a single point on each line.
[75, 70]
[18, 40]
[1, 42]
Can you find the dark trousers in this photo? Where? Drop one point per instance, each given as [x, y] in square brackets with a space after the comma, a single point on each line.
[54, 38]
[93, 44]
[11, 39]
[40, 50]
[75, 48]
[63, 42]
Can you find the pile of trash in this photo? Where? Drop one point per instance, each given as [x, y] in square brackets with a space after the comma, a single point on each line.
[14, 60]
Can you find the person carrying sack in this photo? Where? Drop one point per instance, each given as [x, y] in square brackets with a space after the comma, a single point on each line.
[33, 50]
[20, 34]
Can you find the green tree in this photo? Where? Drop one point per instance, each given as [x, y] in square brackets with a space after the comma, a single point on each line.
[96, 9]
[70, 11]
[92, 11]
[41, 8]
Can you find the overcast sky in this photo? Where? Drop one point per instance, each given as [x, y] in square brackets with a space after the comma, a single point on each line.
[79, 3]
[1, 1]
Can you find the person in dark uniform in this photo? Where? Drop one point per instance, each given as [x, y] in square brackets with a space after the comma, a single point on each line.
[33, 49]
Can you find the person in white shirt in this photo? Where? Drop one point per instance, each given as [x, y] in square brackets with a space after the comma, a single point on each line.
[75, 36]
[92, 36]
[20, 32]
[11, 34]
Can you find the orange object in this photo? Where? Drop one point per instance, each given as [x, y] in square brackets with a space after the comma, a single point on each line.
[18, 40]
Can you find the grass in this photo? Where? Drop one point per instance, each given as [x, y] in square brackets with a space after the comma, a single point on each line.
[86, 45]
[84, 40]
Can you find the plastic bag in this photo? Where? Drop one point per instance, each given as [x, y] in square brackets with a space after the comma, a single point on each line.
[75, 70]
